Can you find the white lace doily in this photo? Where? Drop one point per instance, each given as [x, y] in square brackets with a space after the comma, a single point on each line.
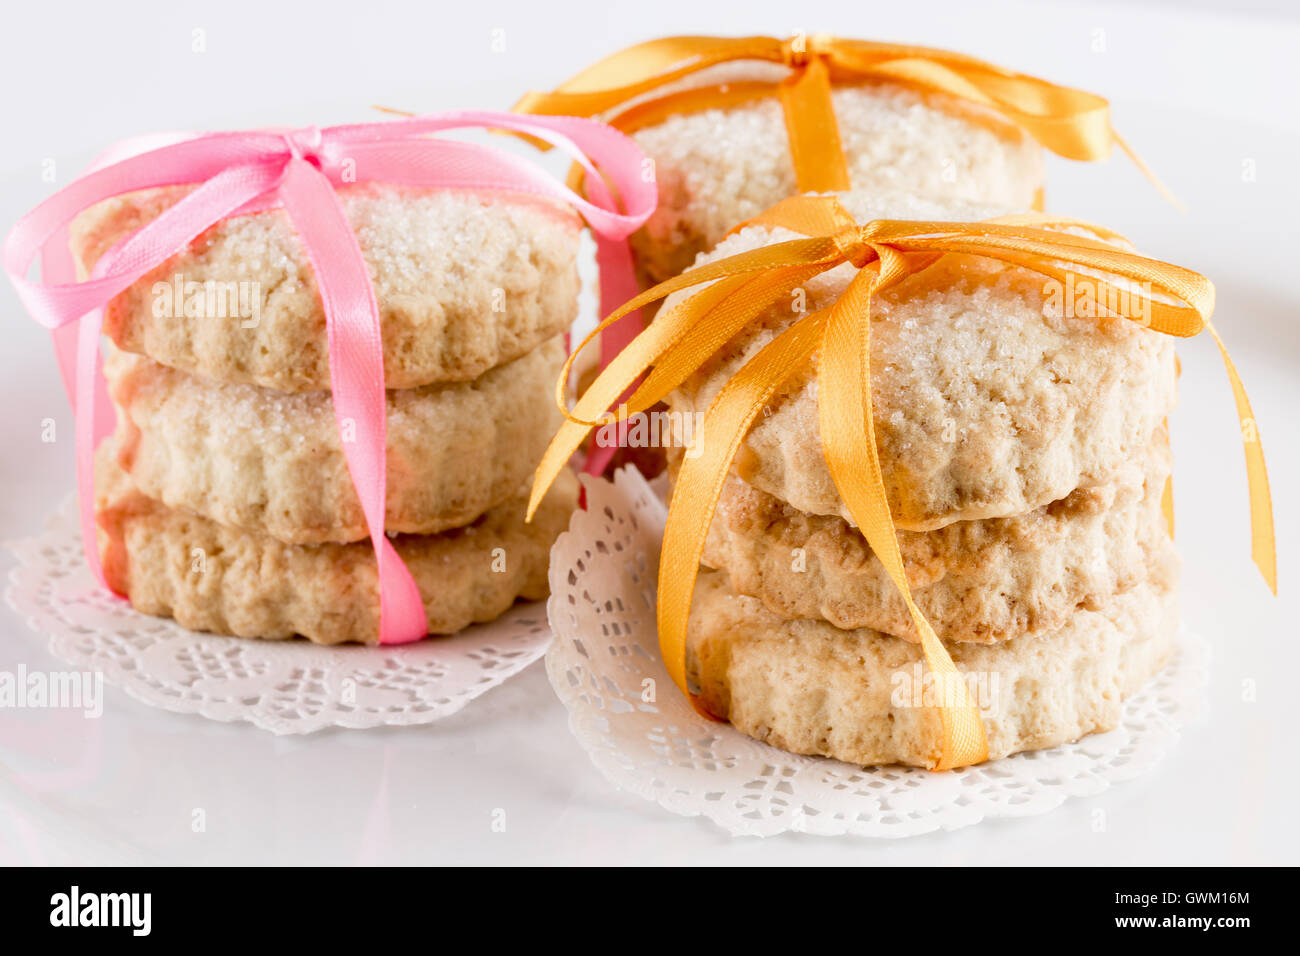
[602, 611]
[287, 687]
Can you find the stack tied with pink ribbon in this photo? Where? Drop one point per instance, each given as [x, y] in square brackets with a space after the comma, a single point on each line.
[317, 337]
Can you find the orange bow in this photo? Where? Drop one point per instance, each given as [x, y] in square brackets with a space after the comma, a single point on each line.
[682, 338]
[1069, 122]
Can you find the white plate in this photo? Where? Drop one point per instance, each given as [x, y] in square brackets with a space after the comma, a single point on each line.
[125, 787]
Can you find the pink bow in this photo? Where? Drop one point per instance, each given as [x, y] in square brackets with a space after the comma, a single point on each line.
[298, 170]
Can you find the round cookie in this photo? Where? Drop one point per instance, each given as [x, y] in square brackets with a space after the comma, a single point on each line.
[858, 696]
[464, 282]
[272, 462]
[988, 402]
[982, 581]
[719, 167]
[213, 578]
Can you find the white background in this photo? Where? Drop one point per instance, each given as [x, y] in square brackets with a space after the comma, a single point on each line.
[1202, 91]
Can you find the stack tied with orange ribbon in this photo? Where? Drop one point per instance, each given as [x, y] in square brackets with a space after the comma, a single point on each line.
[925, 471]
[735, 124]
[330, 352]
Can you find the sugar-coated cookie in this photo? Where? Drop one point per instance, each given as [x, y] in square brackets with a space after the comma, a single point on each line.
[991, 398]
[859, 696]
[719, 167]
[273, 461]
[985, 581]
[464, 282]
[210, 577]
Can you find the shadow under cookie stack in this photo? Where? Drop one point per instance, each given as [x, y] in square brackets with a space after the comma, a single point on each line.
[224, 498]
[1024, 455]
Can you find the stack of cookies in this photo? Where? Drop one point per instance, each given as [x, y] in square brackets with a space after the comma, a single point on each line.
[224, 497]
[1024, 454]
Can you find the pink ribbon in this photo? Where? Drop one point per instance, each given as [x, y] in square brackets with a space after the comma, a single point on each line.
[298, 170]
[617, 285]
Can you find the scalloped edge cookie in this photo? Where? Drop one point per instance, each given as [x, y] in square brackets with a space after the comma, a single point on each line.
[987, 403]
[719, 167]
[464, 282]
[979, 581]
[209, 577]
[810, 688]
[272, 462]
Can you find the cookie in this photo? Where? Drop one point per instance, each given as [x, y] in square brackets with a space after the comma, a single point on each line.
[810, 688]
[273, 462]
[464, 282]
[210, 577]
[981, 581]
[720, 167]
[989, 401]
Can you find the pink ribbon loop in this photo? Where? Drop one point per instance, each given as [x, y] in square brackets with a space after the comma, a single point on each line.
[299, 170]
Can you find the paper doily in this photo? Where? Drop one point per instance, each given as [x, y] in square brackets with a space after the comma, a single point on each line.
[601, 608]
[286, 687]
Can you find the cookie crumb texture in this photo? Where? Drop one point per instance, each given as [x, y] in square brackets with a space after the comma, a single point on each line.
[210, 577]
[717, 168]
[810, 688]
[272, 462]
[464, 282]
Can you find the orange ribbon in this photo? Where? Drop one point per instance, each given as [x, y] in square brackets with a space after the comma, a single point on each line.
[1069, 122]
[739, 288]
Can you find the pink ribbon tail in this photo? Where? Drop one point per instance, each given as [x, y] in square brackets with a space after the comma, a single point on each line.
[617, 285]
[356, 380]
